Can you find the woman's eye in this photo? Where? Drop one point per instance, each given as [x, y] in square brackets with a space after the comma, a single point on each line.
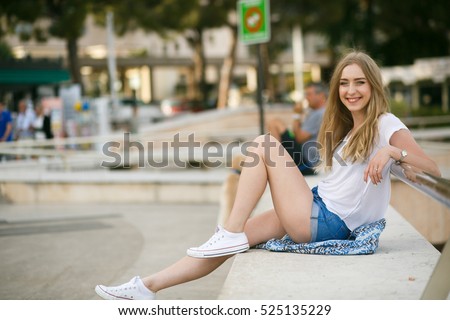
[344, 84]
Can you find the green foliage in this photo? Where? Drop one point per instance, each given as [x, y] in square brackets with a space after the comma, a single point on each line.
[5, 51]
[402, 110]
[17, 16]
[163, 16]
[412, 29]
[393, 32]
[67, 18]
[399, 108]
[141, 53]
[428, 111]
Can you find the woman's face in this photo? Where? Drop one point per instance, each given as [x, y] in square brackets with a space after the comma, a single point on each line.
[354, 89]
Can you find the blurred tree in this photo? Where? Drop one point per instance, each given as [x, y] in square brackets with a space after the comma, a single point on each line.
[67, 20]
[40, 19]
[5, 51]
[203, 15]
[226, 72]
[344, 23]
[18, 17]
[393, 32]
[129, 16]
[191, 18]
[285, 16]
[411, 30]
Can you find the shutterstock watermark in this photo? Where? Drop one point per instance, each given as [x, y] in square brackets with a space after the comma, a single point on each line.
[188, 152]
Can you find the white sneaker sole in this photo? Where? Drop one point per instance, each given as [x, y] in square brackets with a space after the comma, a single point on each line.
[198, 253]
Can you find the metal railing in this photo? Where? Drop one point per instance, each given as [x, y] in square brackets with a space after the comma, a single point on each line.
[438, 286]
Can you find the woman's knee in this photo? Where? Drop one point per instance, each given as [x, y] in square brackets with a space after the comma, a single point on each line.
[263, 147]
[265, 141]
[255, 147]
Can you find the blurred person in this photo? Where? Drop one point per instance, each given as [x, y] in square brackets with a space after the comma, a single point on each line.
[42, 126]
[6, 127]
[134, 120]
[300, 141]
[366, 141]
[24, 122]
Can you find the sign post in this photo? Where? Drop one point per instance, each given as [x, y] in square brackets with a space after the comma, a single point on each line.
[254, 28]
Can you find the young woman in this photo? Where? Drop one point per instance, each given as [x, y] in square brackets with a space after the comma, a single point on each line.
[359, 139]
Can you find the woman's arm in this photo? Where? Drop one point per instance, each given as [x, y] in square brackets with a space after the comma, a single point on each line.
[301, 136]
[403, 140]
[400, 140]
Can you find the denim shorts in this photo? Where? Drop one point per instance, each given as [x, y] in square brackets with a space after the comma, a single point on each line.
[326, 225]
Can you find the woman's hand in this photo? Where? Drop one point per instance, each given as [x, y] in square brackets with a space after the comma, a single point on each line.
[376, 165]
[410, 173]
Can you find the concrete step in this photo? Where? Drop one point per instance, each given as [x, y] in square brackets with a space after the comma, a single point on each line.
[120, 186]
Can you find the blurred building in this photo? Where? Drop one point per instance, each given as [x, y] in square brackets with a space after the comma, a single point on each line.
[426, 83]
[155, 68]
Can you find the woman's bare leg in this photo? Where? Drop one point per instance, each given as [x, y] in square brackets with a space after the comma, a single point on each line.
[269, 162]
[258, 229]
[292, 200]
[184, 270]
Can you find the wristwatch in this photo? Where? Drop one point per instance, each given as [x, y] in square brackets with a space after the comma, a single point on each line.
[403, 154]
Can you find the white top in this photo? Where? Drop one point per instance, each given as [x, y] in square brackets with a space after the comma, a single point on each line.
[344, 191]
[23, 123]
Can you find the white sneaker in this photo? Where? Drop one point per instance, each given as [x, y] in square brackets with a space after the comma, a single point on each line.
[132, 290]
[222, 243]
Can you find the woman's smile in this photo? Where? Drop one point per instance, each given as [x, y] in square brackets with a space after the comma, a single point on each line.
[354, 89]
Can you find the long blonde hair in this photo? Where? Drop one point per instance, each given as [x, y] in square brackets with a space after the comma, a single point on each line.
[338, 121]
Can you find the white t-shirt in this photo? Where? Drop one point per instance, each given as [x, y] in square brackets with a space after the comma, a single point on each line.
[344, 191]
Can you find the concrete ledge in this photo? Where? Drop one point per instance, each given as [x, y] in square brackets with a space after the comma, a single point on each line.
[180, 186]
[400, 269]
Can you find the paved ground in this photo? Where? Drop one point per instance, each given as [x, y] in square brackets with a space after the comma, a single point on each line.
[63, 251]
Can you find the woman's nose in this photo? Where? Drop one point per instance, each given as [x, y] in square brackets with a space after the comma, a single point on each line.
[351, 88]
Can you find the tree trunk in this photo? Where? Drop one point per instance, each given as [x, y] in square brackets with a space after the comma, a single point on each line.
[72, 58]
[199, 67]
[226, 73]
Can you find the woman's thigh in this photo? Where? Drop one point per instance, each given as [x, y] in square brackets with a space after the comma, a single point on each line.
[291, 195]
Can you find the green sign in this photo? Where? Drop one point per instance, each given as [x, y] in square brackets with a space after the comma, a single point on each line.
[254, 21]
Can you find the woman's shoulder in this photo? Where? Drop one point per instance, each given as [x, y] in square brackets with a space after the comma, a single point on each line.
[388, 124]
[387, 115]
[389, 119]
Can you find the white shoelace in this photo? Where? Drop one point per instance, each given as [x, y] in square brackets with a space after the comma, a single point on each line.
[215, 237]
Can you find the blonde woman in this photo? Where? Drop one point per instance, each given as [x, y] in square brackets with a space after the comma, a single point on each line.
[359, 140]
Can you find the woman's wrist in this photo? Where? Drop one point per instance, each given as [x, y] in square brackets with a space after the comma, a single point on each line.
[397, 154]
[394, 153]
